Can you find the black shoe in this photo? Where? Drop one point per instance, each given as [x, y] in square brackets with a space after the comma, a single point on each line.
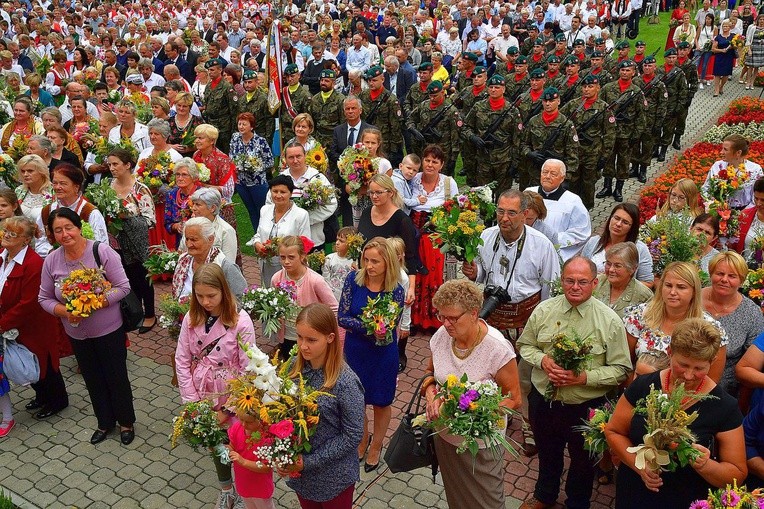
[99, 436]
[662, 153]
[642, 177]
[607, 188]
[368, 467]
[676, 143]
[127, 436]
[634, 173]
[618, 191]
[371, 436]
[656, 151]
[402, 361]
[143, 329]
[33, 405]
[47, 412]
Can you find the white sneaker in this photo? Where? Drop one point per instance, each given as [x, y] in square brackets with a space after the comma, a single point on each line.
[700, 87]
[226, 500]
[251, 242]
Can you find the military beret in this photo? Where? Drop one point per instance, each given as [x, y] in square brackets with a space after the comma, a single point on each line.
[571, 60]
[533, 27]
[290, 69]
[328, 73]
[623, 45]
[537, 73]
[670, 52]
[590, 79]
[374, 71]
[626, 63]
[521, 60]
[553, 59]
[597, 54]
[470, 56]
[640, 43]
[599, 41]
[134, 79]
[513, 50]
[559, 37]
[538, 42]
[497, 79]
[213, 62]
[578, 42]
[478, 70]
[249, 74]
[434, 87]
[683, 45]
[425, 66]
[649, 59]
[550, 93]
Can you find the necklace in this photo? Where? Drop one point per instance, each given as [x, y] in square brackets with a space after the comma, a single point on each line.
[689, 399]
[718, 309]
[464, 353]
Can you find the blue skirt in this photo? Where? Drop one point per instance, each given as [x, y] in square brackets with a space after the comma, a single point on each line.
[376, 367]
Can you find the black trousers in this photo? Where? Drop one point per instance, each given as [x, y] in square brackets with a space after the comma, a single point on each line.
[50, 391]
[136, 273]
[552, 425]
[103, 362]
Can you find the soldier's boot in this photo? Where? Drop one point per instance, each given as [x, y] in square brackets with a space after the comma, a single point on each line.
[634, 170]
[662, 153]
[656, 150]
[642, 177]
[607, 188]
[676, 144]
[618, 191]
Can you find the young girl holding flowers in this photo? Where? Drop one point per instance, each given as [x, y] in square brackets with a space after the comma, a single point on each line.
[253, 482]
[310, 286]
[683, 198]
[329, 472]
[337, 265]
[208, 351]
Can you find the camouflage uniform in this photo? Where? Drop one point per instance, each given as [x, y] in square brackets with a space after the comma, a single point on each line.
[448, 127]
[537, 64]
[514, 86]
[384, 114]
[326, 116]
[258, 106]
[300, 104]
[604, 76]
[466, 99]
[535, 136]
[494, 162]
[528, 107]
[655, 113]
[678, 90]
[691, 76]
[414, 98]
[462, 81]
[221, 105]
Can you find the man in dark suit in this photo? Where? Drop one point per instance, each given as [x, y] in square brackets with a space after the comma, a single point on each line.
[344, 135]
[189, 56]
[208, 34]
[110, 60]
[396, 80]
[173, 57]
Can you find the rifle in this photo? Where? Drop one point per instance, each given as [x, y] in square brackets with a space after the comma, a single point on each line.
[617, 103]
[535, 110]
[570, 92]
[372, 116]
[489, 138]
[430, 129]
[547, 147]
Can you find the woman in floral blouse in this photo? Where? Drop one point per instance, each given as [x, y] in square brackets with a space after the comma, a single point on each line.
[177, 208]
[254, 161]
[182, 123]
[35, 190]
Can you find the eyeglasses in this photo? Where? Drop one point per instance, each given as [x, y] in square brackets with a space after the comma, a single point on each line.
[450, 319]
[616, 266]
[374, 194]
[510, 213]
[580, 282]
[10, 235]
[625, 222]
[678, 196]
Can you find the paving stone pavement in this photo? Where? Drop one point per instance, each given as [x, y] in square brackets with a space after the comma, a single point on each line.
[51, 464]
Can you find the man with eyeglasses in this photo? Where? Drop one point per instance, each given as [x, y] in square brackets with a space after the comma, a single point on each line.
[554, 421]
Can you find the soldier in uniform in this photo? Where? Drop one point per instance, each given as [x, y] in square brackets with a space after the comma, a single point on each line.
[639, 54]
[548, 135]
[629, 115]
[464, 77]
[418, 93]
[295, 100]
[380, 108]
[467, 98]
[491, 136]
[677, 88]
[597, 58]
[552, 68]
[596, 135]
[529, 103]
[691, 75]
[518, 81]
[569, 84]
[579, 51]
[326, 108]
[221, 104]
[526, 48]
[437, 121]
[612, 63]
[560, 47]
[509, 67]
[537, 59]
[255, 101]
[655, 113]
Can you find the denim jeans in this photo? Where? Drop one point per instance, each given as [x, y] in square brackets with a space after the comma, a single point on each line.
[253, 198]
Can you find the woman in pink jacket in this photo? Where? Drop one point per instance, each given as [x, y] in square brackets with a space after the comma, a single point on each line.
[208, 353]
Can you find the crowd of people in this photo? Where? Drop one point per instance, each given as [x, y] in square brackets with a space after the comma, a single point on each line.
[548, 95]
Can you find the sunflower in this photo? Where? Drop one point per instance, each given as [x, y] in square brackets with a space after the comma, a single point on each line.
[247, 399]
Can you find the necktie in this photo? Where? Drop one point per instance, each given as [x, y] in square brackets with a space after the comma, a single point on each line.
[394, 84]
[351, 136]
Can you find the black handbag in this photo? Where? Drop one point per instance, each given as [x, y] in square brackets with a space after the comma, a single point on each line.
[412, 447]
[130, 305]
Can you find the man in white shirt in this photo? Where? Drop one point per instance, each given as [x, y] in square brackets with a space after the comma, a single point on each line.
[358, 57]
[565, 20]
[150, 78]
[576, 31]
[591, 31]
[501, 44]
[74, 89]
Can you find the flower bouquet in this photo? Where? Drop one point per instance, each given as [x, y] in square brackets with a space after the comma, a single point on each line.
[729, 180]
[157, 172]
[669, 240]
[738, 41]
[473, 411]
[357, 168]
[271, 305]
[161, 262]
[316, 157]
[481, 199]
[668, 439]
[43, 66]
[248, 164]
[316, 261]
[269, 250]
[173, 312]
[355, 242]
[102, 146]
[18, 148]
[83, 129]
[732, 497]
[105, 199]
[593, 429]
[571, 352]
[315, 194]
[114, 96]
[8, 171]
[729, 220]
[143, 113]
[84, 291]
[456, 230]
[204, 172]
[198, 426]
[753, 286]
[380, 317]
[188, 139]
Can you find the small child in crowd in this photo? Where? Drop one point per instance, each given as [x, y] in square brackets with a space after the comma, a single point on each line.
[405, 324]
[253, 483]
[402, 176]
[337, 266]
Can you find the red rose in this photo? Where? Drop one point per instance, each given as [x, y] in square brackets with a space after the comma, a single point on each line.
[723, 174]
[282, 429]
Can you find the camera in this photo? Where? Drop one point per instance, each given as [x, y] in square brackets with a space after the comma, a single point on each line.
[493, 296]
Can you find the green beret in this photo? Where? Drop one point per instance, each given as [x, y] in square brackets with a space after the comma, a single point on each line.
[328, 73]
[471, 56]
[670, 52]
[590, 79]
[553, 59]
[626, 63]
[374, 71]
[497, 79]
[291, 69]
[533, 27]
[597, 54]
[434, 87]
[623, 45]
[538, 42]
[559, 37]
[579, 42]
[571, 60]
[599, 40]
[640, 43]
[425, 66]
[249, 74]
[683, 45]
[537, 73]
[513, 50]
[649, 59]
[550, 93]
[213, 62]
[522, 59]
[478, 70]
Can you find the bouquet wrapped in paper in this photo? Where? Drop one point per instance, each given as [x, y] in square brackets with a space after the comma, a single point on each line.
[198, 426]
[569, 351]
[270, 306]
[173, 311]
[357, 168]
[593, 429]
[380, 317]
[314, 195]
[84, 291]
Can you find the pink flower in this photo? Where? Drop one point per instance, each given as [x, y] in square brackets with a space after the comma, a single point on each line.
[282, 429]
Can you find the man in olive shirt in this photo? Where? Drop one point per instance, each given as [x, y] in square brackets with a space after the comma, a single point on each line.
[553, 421]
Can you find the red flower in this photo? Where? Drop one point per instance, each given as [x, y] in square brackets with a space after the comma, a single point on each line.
[282, 429]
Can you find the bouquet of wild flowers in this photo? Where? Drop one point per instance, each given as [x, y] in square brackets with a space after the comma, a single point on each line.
[204, 172]
[198, 426]
[84, 291]
[380, 317]
[480, 199]
[8, 171]
[102, 146]
[315, 194]
[81, 129]
[729, 219]
[173, 312]
[738, 41]
[355, 242]
[593, 429]
[316, 157]
[161, 262]
[753, 286]
[669, 240]
[105, 199]
[729, 180]
[248, 163]
[357, 168]
[18, 148]
[157, 172]
[473, 411]
[456, 230]
[143, 113]
[731, 497]
[43, 66]
[188, 138]
[668, 439]
[316, 261]
[571, 352]
[270, 249]
[271, 305]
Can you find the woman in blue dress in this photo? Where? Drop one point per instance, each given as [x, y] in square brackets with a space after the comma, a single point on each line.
[724, 57]
[373, 358]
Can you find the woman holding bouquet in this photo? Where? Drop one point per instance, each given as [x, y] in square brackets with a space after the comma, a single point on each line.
[182, 125]
[159, 133]
[373, 357]
[684, 32]
[466, 344]
[303, 129]
[436, 189]
[222, 169]
[619, 288]
[718, 428]
[706, 228]
[734, 165]
[754, 57]
[677, 18]
[724, 57]
[98, 340]
[208, 352]
[23, 125]
[177, 207]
